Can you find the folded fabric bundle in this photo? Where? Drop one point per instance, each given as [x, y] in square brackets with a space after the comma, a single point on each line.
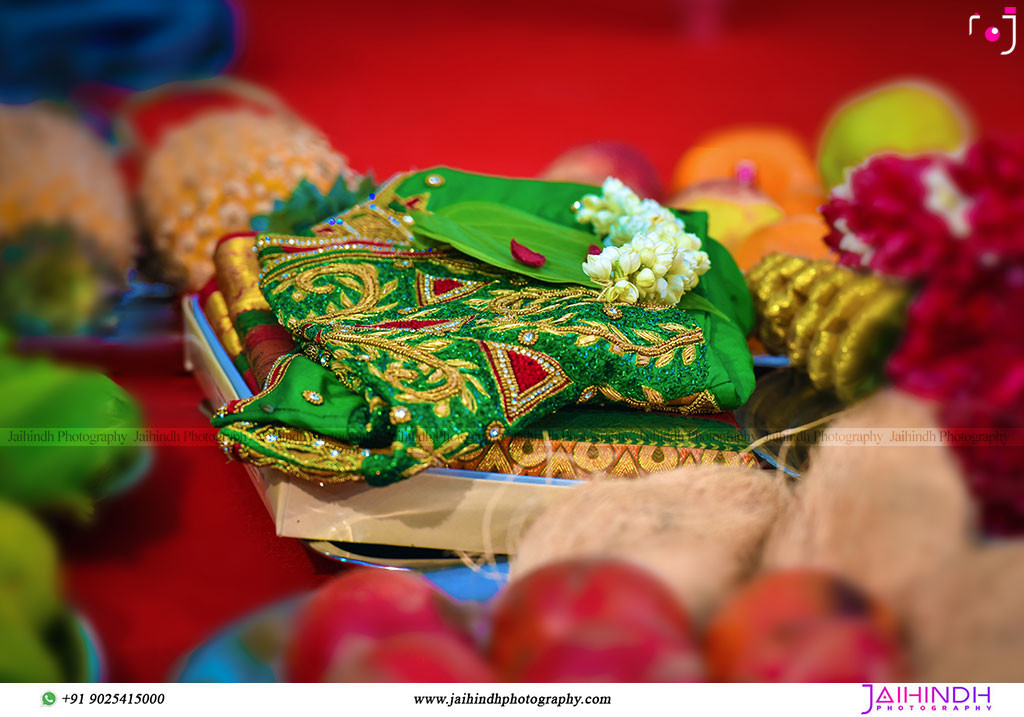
[583, 442]
[423, 340]
[261, 340]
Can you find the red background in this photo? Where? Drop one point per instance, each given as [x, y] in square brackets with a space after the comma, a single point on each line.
[499, 87]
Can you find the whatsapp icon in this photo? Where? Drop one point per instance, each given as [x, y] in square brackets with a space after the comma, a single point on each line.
[49, 698]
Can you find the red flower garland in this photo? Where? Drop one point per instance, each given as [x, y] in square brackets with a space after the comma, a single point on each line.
[881, 209]
[964, 339]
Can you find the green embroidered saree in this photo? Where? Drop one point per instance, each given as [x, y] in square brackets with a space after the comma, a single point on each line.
[422, 340]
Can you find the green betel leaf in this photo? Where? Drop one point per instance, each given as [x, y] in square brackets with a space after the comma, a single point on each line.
[695, 302]
[485, 230]
[476, 229]
[693, 222]
[723, 286]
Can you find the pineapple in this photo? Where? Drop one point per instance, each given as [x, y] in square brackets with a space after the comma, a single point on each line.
[67, 232]
[210, 176]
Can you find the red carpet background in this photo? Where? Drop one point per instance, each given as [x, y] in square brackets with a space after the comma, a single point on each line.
[497, 88]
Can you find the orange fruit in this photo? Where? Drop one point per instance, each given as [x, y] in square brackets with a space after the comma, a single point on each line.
[802, 235]
[780, 162]
[735, 210]
[761, 624]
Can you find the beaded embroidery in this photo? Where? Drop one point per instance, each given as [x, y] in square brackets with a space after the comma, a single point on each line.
[479, 354]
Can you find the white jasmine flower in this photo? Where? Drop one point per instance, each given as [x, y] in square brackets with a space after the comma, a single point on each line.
[647, 269]
[622, 291]
[657, 215]
[625, 228]
[645, 280]
[624, 199]
[675, 287]
[616, 201]
[687, 241]
[648, 256]
[703, 263]
[654, 253]
[625, 291]
[629, 260]
[599, 267]
[943, 197]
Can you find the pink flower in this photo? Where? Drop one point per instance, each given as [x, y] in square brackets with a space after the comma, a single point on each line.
[879, 219]
[992, 173]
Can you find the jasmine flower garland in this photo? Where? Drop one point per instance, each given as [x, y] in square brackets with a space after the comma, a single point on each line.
[648, 256]
[616, 201]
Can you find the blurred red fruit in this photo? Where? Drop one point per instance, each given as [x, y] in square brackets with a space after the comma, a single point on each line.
[836, 650]
[803, 625]
[418, 657]
[546, 605]
[610, 652]
[593, 163]
[362, 607]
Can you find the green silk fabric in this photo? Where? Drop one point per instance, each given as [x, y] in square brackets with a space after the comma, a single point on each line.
[420, 352]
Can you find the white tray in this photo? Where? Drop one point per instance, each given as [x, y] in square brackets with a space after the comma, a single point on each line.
[469, 511]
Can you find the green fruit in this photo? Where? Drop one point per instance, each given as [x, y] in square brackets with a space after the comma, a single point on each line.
[66, 640]
[29, 593]
[49, 284]
[905, 117]
[55, 404]
[24, 657]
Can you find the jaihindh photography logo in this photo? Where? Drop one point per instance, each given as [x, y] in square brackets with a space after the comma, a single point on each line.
[927, 698]
[994, 33]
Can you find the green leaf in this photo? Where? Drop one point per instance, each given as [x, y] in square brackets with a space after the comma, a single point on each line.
[723, 286]
[485, 230]
[695, 302]
[694, 222]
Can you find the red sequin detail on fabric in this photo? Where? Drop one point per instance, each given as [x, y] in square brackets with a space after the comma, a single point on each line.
[443, 286]
[527, 371]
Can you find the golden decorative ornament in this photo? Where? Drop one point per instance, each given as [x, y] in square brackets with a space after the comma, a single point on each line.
[495, 431]
[313, 397]
[835, 323]
[400, 414]
[528, 337]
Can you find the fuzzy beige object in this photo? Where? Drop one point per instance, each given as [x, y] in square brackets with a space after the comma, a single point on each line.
[966, 620]
[883, 517]
[700, 529]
